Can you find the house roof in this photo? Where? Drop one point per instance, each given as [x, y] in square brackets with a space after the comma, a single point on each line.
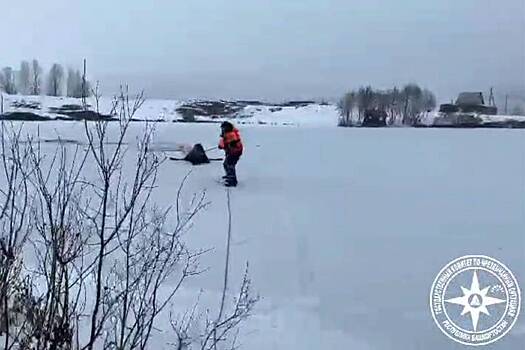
[470, 98]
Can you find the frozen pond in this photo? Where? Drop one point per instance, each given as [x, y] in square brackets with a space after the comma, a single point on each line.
[345, 229]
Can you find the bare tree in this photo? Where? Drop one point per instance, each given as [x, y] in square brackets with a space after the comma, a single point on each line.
[24, 78]
[395, 105]
[59, 242]
[36, 78]
[85, 85]
[346, 108]
[74, 83]
[71, 84]
[77, 85]
[428, 100]
[7, 81]
[409, 103]
[365, 100]
[55, 80]
[411, 96]
[14, 206]
[383, 100]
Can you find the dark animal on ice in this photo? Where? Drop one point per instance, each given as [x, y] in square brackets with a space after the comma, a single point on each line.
[196, 156]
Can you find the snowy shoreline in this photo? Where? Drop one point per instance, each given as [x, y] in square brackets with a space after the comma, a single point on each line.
[246, 113]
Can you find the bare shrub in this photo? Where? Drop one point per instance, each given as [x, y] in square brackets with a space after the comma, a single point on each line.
[406, 105]
[105, 256]
[14, 207]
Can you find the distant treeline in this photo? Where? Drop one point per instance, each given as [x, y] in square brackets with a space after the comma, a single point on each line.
[396, 105]
[30, 80]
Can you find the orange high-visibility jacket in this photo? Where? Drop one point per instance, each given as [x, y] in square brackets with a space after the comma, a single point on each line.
[231, 143]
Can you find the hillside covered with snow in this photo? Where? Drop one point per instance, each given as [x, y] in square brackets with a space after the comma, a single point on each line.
[247, 113]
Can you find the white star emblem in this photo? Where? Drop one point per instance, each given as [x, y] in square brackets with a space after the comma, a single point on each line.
[475, 301]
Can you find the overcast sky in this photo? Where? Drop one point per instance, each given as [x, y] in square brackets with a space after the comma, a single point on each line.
[274, 49]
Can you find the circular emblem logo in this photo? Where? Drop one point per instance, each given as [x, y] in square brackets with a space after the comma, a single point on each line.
[475, 300]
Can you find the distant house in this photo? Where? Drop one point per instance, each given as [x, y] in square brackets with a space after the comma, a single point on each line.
[470, 99]
[469, 102]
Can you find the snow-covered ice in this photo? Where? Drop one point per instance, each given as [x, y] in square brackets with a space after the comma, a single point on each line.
[345, 228]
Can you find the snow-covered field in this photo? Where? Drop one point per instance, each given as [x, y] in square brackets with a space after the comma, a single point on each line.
[345, 228]
[165, 110]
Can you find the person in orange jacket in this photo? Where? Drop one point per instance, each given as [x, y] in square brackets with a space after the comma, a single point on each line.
[231, 143]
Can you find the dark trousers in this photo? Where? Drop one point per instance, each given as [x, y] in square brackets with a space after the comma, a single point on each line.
[229, 168]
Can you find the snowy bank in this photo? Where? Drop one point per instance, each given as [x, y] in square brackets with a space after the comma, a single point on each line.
[256, 113]
[440, 119]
